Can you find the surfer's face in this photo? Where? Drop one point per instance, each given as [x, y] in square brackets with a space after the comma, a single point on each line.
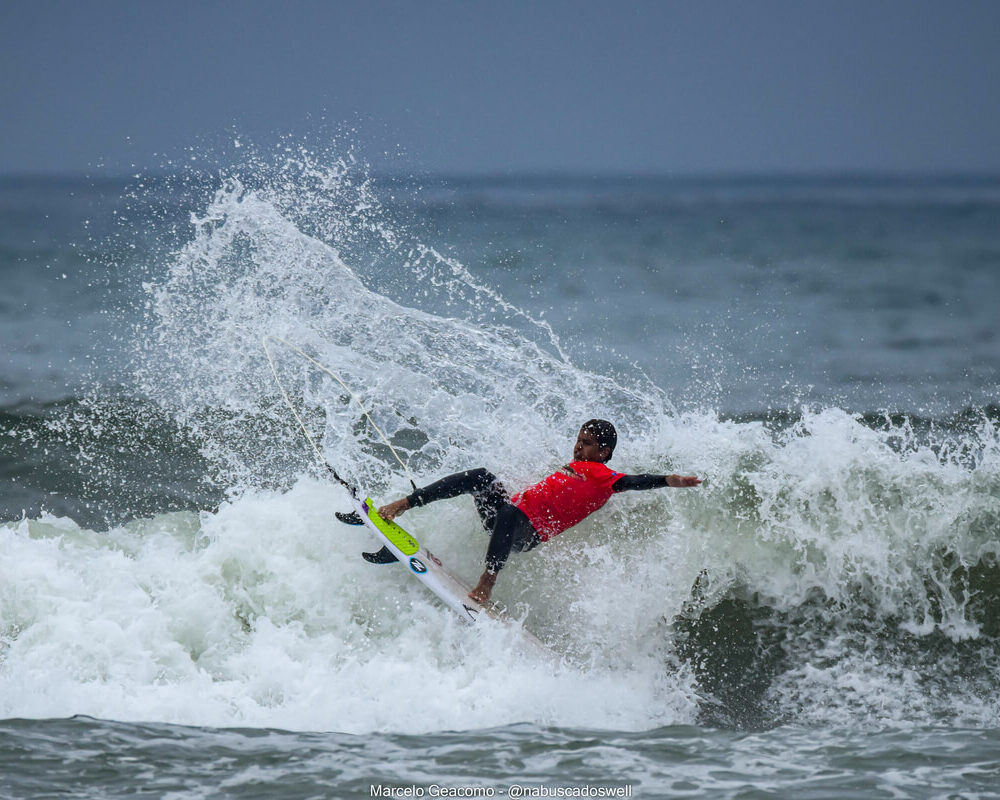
[588, 449]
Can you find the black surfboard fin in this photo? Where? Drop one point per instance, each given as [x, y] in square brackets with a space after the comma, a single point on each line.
[383, 556]
[349, 517]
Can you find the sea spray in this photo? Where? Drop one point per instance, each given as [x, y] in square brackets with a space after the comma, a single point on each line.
[250, 270]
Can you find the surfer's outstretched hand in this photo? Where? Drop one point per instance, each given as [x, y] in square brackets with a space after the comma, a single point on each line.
[682, 481]
[394, 509]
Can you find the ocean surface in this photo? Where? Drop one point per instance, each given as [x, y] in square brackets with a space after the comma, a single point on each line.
[181, 616]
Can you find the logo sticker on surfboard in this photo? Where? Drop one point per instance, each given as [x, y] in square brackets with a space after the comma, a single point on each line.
[418, 566]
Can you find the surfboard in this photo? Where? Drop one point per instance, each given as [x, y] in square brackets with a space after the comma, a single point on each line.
[427, 568]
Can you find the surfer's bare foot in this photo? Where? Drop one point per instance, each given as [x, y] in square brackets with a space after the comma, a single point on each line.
[392, 510]
[481, 594]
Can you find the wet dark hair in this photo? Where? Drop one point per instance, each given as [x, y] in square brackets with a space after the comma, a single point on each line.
[605, 432]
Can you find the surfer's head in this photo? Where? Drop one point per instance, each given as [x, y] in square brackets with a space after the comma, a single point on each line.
[596, 441]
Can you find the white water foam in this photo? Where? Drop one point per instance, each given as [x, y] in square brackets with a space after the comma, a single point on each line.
[263, 614]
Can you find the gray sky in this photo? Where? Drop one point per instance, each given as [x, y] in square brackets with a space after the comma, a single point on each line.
[466, 86]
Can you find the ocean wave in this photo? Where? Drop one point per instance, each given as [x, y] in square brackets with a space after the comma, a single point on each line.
[179, 562]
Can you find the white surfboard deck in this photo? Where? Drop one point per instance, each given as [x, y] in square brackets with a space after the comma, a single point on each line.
[427, 568]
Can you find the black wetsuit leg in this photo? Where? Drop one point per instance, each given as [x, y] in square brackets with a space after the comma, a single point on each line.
[487, 493]
[509, 528]
[512, 531]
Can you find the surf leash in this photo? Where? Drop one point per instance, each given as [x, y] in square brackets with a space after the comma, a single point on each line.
[312, 442]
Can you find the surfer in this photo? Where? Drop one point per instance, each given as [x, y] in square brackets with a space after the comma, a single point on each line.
[536, 514]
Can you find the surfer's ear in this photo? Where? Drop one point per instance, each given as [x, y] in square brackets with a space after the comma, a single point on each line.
[605, 454]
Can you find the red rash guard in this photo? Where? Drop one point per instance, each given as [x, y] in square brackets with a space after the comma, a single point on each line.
[566, 497]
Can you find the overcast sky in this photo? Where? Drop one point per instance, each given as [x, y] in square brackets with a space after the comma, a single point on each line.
[484, 87]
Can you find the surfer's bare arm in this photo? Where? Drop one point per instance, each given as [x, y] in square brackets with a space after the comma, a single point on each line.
[632, 482]
[393, 509]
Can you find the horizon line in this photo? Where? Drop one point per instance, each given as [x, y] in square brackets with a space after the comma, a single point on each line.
[553, 174]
